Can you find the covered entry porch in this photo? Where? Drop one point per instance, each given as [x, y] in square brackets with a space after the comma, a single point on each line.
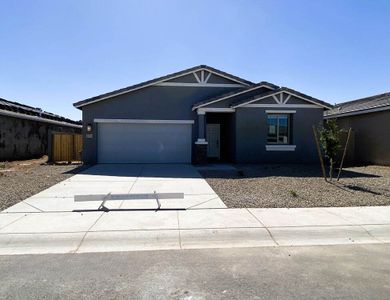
[215, 141]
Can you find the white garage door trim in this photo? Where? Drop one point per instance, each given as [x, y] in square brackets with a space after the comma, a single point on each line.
[141, 121]
[142, 149]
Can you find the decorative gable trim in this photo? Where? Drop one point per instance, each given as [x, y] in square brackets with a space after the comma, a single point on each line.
[190, 84]
[202, 82]
[280, 101]
[283, 105]
[233, 95]
[202, 77]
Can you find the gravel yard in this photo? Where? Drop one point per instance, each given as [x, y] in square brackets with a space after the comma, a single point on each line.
[299, 186]
[22, 179]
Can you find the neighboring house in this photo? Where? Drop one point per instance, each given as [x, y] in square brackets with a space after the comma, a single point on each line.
[200, 114]
[25, 130]
[370, 120]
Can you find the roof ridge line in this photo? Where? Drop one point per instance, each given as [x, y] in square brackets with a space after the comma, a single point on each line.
[368, 98]
[147, 83]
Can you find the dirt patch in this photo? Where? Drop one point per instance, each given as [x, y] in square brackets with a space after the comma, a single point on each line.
[300, 186]
[22, 179]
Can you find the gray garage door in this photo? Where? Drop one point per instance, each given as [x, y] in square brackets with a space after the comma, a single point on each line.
[144, 143]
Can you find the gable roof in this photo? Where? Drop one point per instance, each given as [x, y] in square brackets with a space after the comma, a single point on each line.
[360, 106]
[234, 93]
[145, 84]
[18, 110]
[282, 90]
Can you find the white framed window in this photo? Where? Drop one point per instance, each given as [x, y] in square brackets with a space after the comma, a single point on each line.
[278, 129]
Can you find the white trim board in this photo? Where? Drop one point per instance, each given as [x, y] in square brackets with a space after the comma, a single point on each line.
[280, 147]
[141, 121]
[202, 111]
[202, 79]
[359, 112]
[283, 106]
[277, 93]
[201, 142]
[280, 111]
[160, 81]
[36, 118]
[233, 95]
[200, 84]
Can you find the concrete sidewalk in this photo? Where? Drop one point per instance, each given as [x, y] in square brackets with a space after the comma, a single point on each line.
[74, 232]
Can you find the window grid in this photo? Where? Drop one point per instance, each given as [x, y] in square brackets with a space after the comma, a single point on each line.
[275, 137]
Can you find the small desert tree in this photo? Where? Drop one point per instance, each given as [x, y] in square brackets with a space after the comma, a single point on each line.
[330, 142]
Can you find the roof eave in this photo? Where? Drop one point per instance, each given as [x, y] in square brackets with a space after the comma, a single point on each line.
[265, 84]
[288, 91]
[152, 82]
[358, 112]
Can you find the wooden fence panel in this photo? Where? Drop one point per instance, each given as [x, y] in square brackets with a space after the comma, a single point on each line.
[78, 146]
[66, 147]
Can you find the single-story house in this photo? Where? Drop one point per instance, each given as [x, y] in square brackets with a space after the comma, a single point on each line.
[369, 119]
[200, 115]
[25, 130]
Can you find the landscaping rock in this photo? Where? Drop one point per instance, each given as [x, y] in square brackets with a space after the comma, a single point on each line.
[300, 186]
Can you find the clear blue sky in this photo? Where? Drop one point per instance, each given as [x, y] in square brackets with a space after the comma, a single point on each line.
[54, 53]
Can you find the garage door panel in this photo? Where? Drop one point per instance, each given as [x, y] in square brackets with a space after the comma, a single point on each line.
[144, 143]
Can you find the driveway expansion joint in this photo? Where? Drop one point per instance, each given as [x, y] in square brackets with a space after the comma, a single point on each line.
[208, 224]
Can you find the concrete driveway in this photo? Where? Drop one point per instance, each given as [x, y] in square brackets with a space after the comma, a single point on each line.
[122, 179]
[47, 223]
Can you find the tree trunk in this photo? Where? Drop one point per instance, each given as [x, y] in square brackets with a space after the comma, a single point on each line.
[331, 163]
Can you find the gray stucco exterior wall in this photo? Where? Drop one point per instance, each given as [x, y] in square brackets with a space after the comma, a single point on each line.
[372, 137]
[26, 139]
[155, 102]
[251, 136]
[243, 131]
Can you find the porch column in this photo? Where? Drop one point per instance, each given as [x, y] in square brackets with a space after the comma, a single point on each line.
[201, 126]
[200, 153]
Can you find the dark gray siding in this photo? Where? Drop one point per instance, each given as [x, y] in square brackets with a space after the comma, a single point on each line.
[156, 102]
[295, 100]
[251, 135]
[190, 78]
[26, 139]
[372, 137]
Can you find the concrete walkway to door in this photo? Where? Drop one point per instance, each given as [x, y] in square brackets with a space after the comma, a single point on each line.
[123, 179]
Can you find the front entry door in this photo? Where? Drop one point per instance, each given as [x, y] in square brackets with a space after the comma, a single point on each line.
[213, 139]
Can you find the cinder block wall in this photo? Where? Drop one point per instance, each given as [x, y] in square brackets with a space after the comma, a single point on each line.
[26, 139]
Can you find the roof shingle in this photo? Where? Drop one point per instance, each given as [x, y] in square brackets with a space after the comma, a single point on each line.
[360, 105]
[155, 80]
[33, 111]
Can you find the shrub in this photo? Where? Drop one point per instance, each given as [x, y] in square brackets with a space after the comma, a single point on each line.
[330, 142]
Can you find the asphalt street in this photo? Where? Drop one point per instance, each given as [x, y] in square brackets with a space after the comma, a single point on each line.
[315, 272]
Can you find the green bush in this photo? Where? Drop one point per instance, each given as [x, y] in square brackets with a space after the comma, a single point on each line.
[330, 142]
